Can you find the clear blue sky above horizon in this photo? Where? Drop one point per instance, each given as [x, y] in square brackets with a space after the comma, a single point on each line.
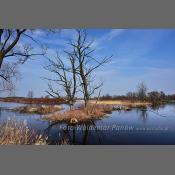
[139, 55]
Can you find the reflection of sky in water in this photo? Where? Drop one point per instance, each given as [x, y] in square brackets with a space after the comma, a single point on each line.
[163, 117]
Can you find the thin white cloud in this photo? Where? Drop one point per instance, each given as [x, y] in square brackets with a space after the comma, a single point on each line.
[113, 33]
[59, 38]
[39, 32]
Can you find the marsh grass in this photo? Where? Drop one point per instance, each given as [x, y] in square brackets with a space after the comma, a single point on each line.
[127, 103]
[82, 114]
[34, 100]
[38, 109]
[18, 133]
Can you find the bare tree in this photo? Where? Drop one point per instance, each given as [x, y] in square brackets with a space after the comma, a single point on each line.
[8, 74]
[30, 94]
[13, 50]
[79, 72]
[131, 96]
[9, 45]
[65, 77]
[82, 50]
[142, 91]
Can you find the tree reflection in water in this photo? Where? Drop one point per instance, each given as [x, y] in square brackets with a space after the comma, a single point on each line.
[143, 114]
[0, 112]
[73, 135]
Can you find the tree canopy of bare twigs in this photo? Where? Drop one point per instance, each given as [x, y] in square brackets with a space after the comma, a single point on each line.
[79, 75]
[9, 45]
[30, 94]
[8, 73]
[82, 50]
[142, 91]
[14, 50]
[65, 76]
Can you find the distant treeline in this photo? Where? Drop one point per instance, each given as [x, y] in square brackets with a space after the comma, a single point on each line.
[33, 100]
[154, 97]
[133, 96]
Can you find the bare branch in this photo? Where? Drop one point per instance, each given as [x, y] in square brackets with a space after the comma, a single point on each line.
[8, 74]
[51, 92]
[18, 34]
[9, 40]
[87, 64]
[65, 76]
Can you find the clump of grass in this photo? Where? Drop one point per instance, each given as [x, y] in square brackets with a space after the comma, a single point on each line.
[81, 114]
[98, 110]
[34, 100]
[18, 133]
[67, 116]
[127, 103]
[38, 109]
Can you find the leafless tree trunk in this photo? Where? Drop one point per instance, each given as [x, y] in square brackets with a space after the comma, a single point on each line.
[9, 48]
[142, 92]
[30, 94]
[65, 77]
[81, 69]
[8, 74]
[87, 64]
[9, 38]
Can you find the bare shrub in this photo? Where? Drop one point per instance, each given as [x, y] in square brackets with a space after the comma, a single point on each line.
[8, 74]
[83, 114]
[38, 109]
[18, 133]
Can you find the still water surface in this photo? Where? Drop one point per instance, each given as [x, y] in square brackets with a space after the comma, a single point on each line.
[151, 126]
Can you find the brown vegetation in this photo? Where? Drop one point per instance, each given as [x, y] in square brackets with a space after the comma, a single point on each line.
[18, 133]
[38, 109]
[127, 103]
[77, 74]
[33, 100]
[92, 112]
[65, 76]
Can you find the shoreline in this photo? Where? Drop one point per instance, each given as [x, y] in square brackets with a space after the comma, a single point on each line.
[26, 100]
[81, 115]
[126, 103]
[43, 109]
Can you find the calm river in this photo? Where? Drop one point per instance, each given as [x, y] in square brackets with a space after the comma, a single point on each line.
[151, 126]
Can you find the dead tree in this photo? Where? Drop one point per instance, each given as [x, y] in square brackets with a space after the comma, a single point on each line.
[65, 77]
[8, 74]
[12, 48]
[142, 91]
[9, 40]
[87, 64]
[30, 94]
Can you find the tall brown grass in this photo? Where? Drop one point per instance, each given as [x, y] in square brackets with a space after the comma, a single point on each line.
[38, 109]
[98, 109]
[81, 114]
[34, 100]
[121, 102]
[18, 133]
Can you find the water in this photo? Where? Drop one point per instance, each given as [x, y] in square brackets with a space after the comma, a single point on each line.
[151, 126]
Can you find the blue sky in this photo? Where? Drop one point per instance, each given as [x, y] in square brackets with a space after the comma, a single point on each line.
[139, 55]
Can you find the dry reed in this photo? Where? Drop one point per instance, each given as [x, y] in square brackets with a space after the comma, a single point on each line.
[18, 133]
[82, 114]
[38, 109]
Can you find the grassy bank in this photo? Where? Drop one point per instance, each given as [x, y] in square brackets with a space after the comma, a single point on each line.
[38, 109]
[93, 112]
[33, 100]
[126, 103]
[17, 133]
